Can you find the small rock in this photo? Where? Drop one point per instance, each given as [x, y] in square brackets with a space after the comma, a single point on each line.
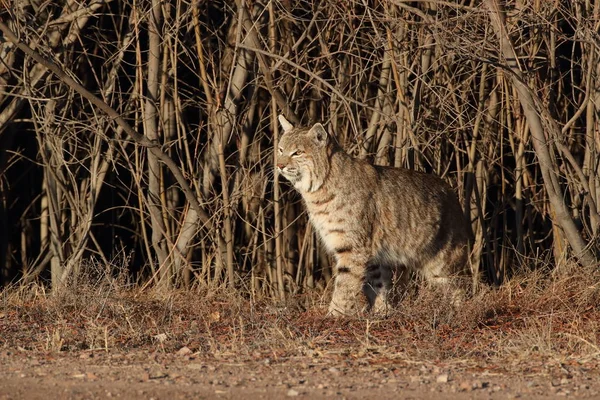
[443, 378]
[91, 376]
[479, 385]
[465, 386]
[184, 351]
[292, 393]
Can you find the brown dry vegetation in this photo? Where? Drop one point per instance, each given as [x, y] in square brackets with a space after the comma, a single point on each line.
[536, 335]
[139, 212]
[143, 131]
[531, 316]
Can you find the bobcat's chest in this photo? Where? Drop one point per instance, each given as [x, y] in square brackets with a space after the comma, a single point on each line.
[334, 219]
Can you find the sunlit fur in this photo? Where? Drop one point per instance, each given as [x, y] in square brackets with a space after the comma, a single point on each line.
[303, 157]
[380, 223]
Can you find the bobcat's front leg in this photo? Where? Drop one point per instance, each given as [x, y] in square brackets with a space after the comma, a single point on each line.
[348, 297]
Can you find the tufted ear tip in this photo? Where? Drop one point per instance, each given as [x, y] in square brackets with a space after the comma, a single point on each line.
[285, 124]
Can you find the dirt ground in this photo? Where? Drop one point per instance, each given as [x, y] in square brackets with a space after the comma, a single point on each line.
[186, 375]
[531, 338]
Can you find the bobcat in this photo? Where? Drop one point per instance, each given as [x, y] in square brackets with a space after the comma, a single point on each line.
[378, 222]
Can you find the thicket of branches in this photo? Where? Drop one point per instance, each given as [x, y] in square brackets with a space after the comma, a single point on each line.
[172, 176]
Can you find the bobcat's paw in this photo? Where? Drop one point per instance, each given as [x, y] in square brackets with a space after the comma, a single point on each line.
[381, 308]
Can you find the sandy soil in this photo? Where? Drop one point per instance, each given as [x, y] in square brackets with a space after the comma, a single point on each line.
[185, 375]
[529, 339]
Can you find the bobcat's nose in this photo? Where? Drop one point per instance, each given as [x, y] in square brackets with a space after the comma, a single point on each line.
[280, 165]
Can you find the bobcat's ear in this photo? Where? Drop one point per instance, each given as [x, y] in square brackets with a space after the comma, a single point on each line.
[285, 124]
[319, 134]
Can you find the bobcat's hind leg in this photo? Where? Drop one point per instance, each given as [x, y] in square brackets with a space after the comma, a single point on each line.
[385, 287]
[377, 287]
[449, 270]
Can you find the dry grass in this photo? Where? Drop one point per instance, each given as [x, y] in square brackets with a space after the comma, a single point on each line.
[533, 316]
[422, 85]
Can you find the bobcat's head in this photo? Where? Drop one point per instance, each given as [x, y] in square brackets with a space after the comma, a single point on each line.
[302, 156]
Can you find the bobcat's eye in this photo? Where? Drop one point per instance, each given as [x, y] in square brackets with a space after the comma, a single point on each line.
[297, 153]
[280, 151]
